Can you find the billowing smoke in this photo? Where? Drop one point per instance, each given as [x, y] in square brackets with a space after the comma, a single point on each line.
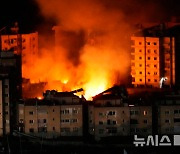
[91, 43]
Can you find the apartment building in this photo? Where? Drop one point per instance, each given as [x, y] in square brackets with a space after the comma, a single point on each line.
[53, 117]
[169, 115]
[10, 90]
[151, 59]
[25, 44]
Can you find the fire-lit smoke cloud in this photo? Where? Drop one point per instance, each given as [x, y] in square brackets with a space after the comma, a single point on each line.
[91, 45]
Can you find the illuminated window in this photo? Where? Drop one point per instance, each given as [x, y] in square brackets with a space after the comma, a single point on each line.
[145, 112]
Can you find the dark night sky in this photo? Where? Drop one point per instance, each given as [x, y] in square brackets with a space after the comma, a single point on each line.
[27, 12]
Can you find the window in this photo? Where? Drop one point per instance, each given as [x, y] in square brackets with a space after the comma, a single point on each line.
[145, 121]
[155, 80]
[155, 43]
[155, 51]
[132, 50]
[31, 130]
[145, 112]
[90, 121]
[54, 128]
[176, 111]
[176, 120]
[100, 122]
[140, 43]
[155, 58]
[44, 120]
[155, 66]
[140, 65]
[53, 110]
[149, 80]
[6, 112]
[31, 121]
[149, 51]
[132, 64]
[155, 73]
[148, 43]
[53, 119]
[140, 80]
[140, 50]
[111, 113]
[75, 129]
[133, 121]
[167, 121]
[74, 120]
[67, 120]
[114, 122]
[75, 111]
[30, 112]
[132, 57]
[123, 112]
[134, 112]
[112, 130]
[100, 114]
[140, 57]
[149, 73]
[6, 95]
[167, 112]
[65, 130]
[140, 72]
[149, 58]
[123, 120]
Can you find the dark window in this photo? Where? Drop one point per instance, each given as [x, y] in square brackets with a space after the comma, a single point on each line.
[140, 43]
[155, 58]
[149, 51]
[53, 128]
[145, 121]
[167, 121]
[176, 120]
[133, 121]
[155, 43]
[132, 42]
[31, 121]
[44, 120]
[148, 43]
[140, 50]
[31, 112]
[155, 80]
[100, 122]
[140, 57]
[155, 51]
[149, 80]
[53, 110]
[140, 79]
[149, 58]
[132, 50]
[140, 72]
[140, 65]
[167, 112]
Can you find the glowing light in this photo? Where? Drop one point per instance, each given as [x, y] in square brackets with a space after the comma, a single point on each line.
[39, 97]
[65, 81]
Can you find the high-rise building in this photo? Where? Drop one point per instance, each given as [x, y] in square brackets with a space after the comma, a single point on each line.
[10, 90]
[151, 59]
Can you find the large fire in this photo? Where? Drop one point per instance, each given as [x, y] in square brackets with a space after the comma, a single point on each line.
[90, 48]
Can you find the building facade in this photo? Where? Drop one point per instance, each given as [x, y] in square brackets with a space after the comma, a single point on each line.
[151, 59]
[51, 118]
